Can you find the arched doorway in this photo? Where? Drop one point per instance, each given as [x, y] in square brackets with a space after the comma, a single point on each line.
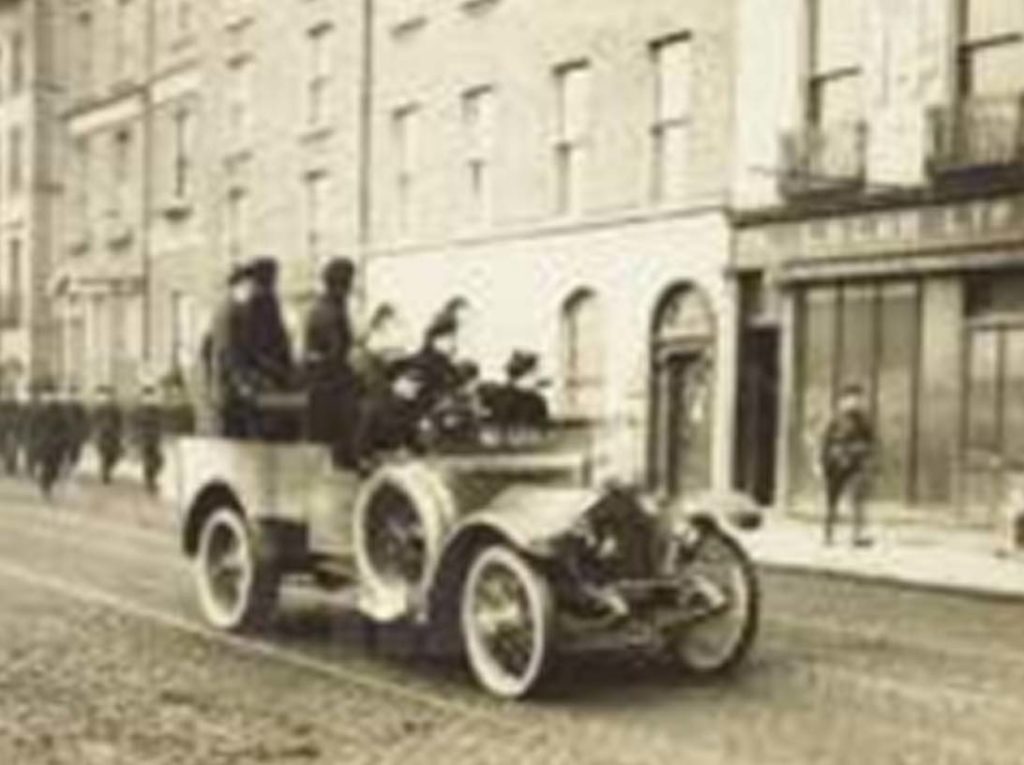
[682, 388]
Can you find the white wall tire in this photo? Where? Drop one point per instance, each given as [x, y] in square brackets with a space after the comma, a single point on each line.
[724, 572]
[506, 620]
[402, 513]
[237, 587]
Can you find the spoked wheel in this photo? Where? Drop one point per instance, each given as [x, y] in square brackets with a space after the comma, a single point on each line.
[237, 589]
[720, 585]
[506, 619]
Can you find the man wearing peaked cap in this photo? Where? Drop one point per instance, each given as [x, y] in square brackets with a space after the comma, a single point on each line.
[332, 406]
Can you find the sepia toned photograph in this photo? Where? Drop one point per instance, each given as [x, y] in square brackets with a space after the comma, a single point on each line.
[511, 382]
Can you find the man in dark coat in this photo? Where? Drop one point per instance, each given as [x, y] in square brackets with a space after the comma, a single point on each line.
[226, 406]
[149, 437]
[51, 438]
[260, 358]
[847, 448]
[108, 428]
[11, 427]
[78, 427]
[332, 403]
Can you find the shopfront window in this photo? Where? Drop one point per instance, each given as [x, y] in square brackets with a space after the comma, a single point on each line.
[995, 388]
[896, 381]
[866, 333]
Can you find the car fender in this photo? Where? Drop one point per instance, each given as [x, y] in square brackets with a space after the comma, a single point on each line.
[529, 518]
[730, 511]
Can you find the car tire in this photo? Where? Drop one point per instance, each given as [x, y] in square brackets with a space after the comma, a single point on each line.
[716, 645]
[506, 621]
[236, 584]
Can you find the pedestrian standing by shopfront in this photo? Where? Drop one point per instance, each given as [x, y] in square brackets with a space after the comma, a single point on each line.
[847, 452]
[149, 437]
[108, 430]
[52, 438]
[332, 404]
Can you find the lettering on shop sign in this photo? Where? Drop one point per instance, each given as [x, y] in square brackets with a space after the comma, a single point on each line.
[970, 224]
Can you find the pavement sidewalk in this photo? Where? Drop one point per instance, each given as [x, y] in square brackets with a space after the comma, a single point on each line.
[946, 559]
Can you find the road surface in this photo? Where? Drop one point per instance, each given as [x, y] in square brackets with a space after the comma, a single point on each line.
[103, 659]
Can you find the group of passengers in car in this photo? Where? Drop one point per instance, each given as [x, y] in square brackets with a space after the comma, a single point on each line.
[358, 402]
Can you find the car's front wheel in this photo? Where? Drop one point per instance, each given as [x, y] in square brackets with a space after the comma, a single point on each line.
[720, 585]
[237, 587]
[506, 616]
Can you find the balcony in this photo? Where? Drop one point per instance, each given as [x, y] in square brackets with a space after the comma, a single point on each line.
[977, 137]
[823, 160]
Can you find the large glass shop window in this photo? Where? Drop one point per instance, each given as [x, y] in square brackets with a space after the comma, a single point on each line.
[816, 352]
[866, 333]
[895, 383]
[995, 387]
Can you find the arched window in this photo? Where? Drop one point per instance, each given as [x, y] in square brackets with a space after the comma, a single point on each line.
[582, 355]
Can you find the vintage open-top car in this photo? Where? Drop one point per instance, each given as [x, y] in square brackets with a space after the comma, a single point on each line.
[509, 551]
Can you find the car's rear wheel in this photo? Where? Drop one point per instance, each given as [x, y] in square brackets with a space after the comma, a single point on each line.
[721, 585]
[506, 618]
[237, 586]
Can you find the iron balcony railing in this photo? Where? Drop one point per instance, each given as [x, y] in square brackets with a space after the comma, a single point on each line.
[819, 159]
[977, 134]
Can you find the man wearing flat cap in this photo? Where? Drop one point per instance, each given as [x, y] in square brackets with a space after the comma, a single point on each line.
[260, 359]
[251, 353]
[332, 406]
[226, 415]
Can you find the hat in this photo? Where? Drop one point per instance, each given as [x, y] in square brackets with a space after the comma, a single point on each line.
[44, 385]
[467, 371]
[852, 389]
[263, 270]
[520, 364]
[339, 269]
[444, 324]
[238, 274]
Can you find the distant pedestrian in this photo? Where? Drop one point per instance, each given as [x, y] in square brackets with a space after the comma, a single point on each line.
[78, 427]
[108, 430]
[149, 437]
[51, 438]
[11, 427]
[846, 460]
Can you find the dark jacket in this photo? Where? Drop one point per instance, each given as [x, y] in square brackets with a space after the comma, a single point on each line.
[328, 342]
[149, 428]
[258, 352]
[108, 428]
[51, 433]
[848, 444]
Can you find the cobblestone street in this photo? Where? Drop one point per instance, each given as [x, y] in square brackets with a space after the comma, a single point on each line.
[102, 660]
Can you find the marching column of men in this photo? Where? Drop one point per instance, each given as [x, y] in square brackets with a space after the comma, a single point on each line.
[43, 436]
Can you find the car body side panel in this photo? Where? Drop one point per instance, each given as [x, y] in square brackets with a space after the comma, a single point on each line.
[270, 481]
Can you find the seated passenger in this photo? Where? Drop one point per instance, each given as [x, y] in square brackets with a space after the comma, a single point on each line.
[516, 411]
